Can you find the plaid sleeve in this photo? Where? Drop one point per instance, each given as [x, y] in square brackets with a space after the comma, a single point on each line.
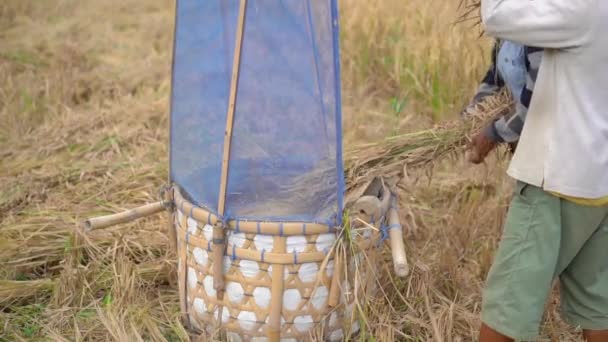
[491, 82]
[508, 128]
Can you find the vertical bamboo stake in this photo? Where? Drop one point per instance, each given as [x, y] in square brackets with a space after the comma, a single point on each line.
[219, 243]
[171, 221]
[276, 291]
[182, 255]
[172, 229]
[218, 230]
[231, 106]
[334, 290]
[172, 232]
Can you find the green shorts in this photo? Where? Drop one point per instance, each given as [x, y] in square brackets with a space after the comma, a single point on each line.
[546, 238]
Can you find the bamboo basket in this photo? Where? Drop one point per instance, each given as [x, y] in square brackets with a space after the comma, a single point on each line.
[282, 280]
[279, 281]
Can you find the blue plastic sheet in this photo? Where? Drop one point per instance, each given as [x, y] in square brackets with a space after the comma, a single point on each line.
[286, 151]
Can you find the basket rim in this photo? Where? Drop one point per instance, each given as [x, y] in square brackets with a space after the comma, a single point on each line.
[287, 228]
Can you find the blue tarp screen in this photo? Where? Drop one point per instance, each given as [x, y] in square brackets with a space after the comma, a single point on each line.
[285, 161]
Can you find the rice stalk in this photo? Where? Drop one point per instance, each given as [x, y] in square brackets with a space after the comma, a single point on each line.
[390, 157]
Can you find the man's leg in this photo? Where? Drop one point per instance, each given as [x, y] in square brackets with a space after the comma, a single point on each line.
[595, 335]
[584, 280]
[523, 270]
[487, 334]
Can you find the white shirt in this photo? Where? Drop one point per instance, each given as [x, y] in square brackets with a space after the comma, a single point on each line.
[564, 143]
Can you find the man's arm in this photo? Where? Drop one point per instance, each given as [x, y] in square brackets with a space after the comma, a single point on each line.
[508, 128]
[543, 23]
[490, 84]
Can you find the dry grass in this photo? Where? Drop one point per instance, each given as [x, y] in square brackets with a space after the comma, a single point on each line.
[83, 128]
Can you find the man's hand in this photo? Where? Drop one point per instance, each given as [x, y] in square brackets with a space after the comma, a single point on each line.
[480, 147]
[512, 147]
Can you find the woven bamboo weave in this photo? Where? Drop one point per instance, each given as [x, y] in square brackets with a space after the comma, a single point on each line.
[296, 274]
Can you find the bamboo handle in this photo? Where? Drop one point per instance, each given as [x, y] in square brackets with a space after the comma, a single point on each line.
[172, 232]
[334, 290]
[124, 217]
[218, 257]
[219, 243]
[277, 289]
[402, 268]
[218, 230]
[171, 227]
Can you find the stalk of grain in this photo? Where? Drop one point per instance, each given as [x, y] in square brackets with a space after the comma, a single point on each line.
[389, 157]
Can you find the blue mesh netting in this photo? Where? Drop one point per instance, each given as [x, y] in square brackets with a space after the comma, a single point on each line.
[285, 161]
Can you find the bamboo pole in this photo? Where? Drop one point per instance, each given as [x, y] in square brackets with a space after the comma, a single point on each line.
[171, 218]
[276, 299]
[236, 65]
[397, 246]
[219, 242]
[182, 273]
[172, 230]
[334, 290]
[123, 217]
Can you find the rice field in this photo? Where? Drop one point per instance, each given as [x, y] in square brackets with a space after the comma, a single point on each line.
[84, 94]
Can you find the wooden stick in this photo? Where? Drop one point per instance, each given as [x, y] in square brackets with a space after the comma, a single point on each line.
[397, 246]
[171, 221]
[219, 242]
[276, 291]
[219, 246]
[124, 217]
[172, 232]
[334, 290]
[182, 266]
[236, 65]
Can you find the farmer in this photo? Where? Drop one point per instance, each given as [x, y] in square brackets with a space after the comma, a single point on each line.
[557, 225]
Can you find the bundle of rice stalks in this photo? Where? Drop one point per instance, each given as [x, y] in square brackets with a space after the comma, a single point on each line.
[37, 242]
[12, 291]
[389, 158]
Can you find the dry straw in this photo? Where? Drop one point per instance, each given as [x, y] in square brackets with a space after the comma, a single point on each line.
[393, 156]
[470, 11]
